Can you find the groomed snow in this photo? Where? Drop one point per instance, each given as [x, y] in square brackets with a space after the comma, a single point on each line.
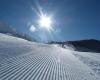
[23, 60]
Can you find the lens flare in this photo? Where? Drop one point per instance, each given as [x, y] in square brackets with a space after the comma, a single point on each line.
[44, 21]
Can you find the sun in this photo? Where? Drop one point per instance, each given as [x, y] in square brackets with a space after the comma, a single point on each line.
[45, 22]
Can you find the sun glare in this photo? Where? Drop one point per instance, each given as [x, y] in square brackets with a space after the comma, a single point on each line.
[45, 22]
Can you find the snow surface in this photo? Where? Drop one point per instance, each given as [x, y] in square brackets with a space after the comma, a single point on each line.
[23, 60]
[90, 59]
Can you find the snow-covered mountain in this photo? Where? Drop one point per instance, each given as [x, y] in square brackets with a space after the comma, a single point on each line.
[24, 60]
[8, 29]
[90, 45]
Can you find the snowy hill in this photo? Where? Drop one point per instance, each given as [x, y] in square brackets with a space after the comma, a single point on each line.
[9, 30]
[90, 45]
[24, 60]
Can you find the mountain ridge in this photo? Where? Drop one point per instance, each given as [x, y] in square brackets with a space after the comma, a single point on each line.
[8, 29]
[90, 45]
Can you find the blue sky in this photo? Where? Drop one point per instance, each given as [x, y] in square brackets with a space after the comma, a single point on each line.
[72, 19]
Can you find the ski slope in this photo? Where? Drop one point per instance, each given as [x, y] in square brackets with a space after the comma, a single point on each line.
[90, 59]
[23, 60]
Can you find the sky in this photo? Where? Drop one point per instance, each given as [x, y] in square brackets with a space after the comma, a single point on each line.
[71, 19]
